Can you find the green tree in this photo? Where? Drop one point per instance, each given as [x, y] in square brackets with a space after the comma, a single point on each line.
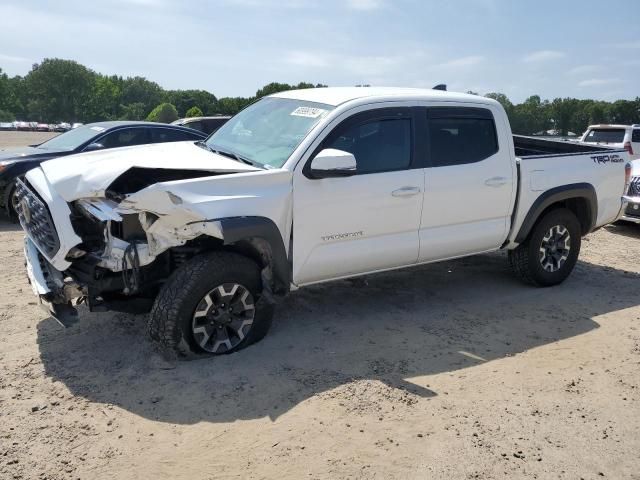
[232, 105]
[58, 90]
[141, 90]
[103, 102]
[563, 111]
[133, 111]
[6, 116]
[185, 99]
[163, 113]
[194, 112]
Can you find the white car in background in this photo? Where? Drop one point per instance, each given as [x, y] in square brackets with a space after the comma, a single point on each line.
[619, 136]
[627, 137]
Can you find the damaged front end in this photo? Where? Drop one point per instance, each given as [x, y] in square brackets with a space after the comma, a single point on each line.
[130, 237]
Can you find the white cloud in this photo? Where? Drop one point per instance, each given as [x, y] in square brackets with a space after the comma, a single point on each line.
[13, 59]
[365, 4]
[598, 82]
[585, 69]
[543, 56]
[307, 59]
[463, 62]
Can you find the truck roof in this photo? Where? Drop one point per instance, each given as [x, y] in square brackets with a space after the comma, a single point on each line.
[611, 125]
[338, 95]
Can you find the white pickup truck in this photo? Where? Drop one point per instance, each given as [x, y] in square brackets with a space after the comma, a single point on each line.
[304, 187]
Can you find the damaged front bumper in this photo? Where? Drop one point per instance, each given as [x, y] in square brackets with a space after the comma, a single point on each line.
[55, 294]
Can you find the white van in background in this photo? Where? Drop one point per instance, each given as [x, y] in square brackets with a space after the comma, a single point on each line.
[621, 136]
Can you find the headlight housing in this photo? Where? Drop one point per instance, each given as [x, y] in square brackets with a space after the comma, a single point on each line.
[4, 164]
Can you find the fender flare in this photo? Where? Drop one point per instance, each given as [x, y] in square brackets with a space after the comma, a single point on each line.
[235, 229]
[559, 194]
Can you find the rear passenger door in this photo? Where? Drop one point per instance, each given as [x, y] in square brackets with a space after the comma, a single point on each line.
[469, 182]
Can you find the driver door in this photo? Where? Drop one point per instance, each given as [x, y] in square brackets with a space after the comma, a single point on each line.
[345, 226]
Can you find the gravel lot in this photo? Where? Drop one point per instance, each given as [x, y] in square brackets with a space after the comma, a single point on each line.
[448, 371]
[10, 139]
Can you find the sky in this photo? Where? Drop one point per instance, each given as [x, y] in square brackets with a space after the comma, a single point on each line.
[561, 48]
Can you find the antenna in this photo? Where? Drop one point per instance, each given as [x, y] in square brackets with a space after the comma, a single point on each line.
[440, 86]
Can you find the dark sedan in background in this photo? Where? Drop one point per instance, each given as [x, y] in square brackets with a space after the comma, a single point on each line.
[15, 162]
[206, 125]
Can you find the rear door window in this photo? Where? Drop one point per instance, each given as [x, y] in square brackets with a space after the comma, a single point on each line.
[605, 135]
[459, 135]
[125, 137]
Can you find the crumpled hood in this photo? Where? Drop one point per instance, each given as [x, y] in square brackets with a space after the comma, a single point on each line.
[87, 175]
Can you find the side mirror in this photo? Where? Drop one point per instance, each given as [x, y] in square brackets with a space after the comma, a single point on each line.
[333, 163]
[93, 146]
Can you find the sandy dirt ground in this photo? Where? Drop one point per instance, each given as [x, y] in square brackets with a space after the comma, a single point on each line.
[10, 139]
[449, 371]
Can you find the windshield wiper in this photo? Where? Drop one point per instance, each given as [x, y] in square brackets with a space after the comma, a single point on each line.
[237, 157]
[203, 144]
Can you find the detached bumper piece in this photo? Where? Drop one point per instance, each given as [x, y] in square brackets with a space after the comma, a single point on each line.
[48, 285]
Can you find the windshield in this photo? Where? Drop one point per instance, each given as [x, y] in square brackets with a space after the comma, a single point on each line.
[268, 131]
[73, 138]
[605, 135]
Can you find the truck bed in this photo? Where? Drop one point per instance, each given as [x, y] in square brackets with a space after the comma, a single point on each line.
[531, 147]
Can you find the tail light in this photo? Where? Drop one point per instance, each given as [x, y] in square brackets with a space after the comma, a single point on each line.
[627, 177]
[628, 148]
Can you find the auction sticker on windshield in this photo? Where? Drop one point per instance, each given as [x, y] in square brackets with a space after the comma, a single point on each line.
[309, 112]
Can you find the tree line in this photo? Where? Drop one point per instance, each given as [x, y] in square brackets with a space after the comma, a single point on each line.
[63, 90]
[58, 90]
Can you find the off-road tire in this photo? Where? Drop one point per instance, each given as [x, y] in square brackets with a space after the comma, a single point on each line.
[525, 259]
[170, 320]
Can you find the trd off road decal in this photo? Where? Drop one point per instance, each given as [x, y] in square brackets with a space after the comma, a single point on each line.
[341, 236]
[613, 158]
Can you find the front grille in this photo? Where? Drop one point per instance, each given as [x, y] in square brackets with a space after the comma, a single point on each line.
[36, 220]
[634, 187]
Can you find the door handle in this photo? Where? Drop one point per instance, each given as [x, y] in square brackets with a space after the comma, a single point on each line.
[495, 181]
[406, 192]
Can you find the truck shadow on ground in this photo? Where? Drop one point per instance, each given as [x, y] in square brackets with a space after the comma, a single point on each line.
[329, 339]
[627, 229]
[7, 226]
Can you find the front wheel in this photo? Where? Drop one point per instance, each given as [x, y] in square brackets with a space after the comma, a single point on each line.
[550, 252]
[210, 305]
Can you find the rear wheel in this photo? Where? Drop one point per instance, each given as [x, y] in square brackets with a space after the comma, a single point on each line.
[551, 251]
[210, 305]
